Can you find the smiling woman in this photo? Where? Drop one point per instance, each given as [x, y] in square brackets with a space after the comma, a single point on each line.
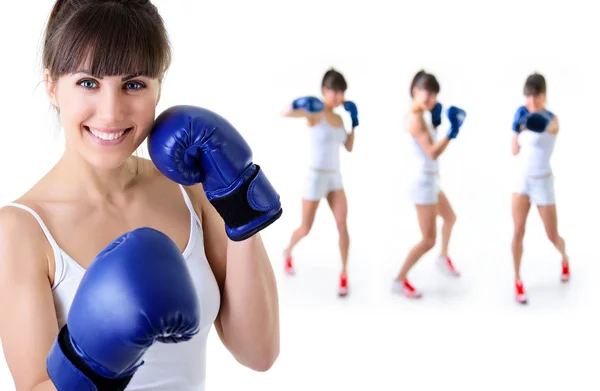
[111, 278]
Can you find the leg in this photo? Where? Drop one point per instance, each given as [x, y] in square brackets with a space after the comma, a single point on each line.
[549, 218]
[309, 210]
[339, 206]
[447, 214]
[520, 210]
[426, 215]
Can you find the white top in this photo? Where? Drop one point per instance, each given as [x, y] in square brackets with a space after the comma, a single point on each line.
[535, 152]
[326, 141]
[167, 367]
[421, 163]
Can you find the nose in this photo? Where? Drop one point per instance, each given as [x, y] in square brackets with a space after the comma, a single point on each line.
[110, 105]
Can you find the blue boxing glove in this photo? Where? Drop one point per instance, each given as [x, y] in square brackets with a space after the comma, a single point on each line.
[436, 115]
[309, 103]
[519, 119]
[136, 292]
[456, 117]
[192, 145]
[538, 121]
[351, 108]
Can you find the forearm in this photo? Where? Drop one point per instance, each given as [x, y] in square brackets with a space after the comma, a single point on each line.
[515, 145]
[438, 148]
[349, 144]
[250, 308]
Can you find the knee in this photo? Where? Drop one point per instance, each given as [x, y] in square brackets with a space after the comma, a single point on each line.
[554, 237]
[451, 219]
[428, 242]
[519, 234]
[342, 227]
[304, 229]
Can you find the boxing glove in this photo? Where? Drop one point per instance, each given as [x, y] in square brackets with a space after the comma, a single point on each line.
[136, 292]
[436, 115]
[456, 117]
[309, 103]
[538, 121]
[519, 118]
[191, 145]
[351, 108]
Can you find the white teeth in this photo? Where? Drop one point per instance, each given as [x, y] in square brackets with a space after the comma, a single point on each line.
[107, 136]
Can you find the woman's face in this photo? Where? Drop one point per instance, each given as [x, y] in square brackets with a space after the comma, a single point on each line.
[535, 102]
[333, 98]
[105, 119]
[426, 100]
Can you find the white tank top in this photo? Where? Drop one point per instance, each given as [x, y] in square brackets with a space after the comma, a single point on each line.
[167, 367]
[535, 152]
[325, 143]
[421, 163]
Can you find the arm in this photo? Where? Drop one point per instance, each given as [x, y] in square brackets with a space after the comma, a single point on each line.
[248, 321]
[349, 144]
[307, 107]
[553, 126]
[418, 130]
[515, 144]
[30, 326]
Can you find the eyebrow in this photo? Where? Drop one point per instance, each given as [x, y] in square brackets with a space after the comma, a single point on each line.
[99, 77]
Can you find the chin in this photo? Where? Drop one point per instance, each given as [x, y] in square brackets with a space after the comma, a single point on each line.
[107, 161]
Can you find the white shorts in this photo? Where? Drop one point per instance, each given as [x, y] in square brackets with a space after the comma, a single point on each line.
[318, 184]
[424, 189]
[539, 189]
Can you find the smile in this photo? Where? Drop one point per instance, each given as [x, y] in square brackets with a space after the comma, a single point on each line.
[107, 135]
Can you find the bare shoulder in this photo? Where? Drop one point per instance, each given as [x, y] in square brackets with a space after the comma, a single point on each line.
[22, 242]
[415, 123]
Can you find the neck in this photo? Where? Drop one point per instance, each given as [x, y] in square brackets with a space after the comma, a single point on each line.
[80, 178]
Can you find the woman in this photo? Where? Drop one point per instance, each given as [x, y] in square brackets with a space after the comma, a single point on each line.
[104, 62]
[535, 131]
[425, 192]
[324, 179]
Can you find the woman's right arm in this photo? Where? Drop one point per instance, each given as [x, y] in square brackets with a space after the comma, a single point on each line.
[418, 129]
[309, 108]
[515, 144]
[28, 325]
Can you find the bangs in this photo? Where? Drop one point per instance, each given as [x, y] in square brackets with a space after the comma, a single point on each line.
[109, 39]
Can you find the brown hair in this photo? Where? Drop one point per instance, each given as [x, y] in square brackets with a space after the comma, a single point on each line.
[106, 37]
[334, 80]
[534, 85]
[424, 81]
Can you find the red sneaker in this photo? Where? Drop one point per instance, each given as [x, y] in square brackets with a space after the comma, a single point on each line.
[445, 264]
[404, 287]
[343, 290]
[520, 295]
[288, 266]
[566, 274]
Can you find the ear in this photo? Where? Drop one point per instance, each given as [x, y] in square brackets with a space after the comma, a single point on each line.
[50, 88]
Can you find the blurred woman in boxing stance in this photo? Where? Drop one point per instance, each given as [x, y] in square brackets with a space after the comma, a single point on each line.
[324, 179]
[535, 130]
[422, 120]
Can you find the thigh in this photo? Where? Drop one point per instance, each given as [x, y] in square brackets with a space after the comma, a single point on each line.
[339, 205]
[309, 211]
[444, 209]
[426, 215]
[549, 218]
[520, 209]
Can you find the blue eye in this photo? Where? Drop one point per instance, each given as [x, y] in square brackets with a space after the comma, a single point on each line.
[89, 84]
[134, 85]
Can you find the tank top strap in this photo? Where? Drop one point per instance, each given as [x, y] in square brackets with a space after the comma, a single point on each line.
[190, 206]
[58, 259]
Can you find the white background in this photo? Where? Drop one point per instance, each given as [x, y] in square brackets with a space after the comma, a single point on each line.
[247, 60]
